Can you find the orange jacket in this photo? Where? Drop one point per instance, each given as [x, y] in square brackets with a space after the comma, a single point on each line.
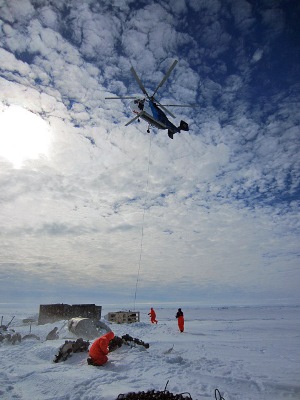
[99, 349]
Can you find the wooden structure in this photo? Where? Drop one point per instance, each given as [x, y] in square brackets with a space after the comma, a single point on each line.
[124, 317]
[56, 312]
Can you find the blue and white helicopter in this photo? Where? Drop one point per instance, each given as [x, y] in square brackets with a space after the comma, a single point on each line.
[150, 109]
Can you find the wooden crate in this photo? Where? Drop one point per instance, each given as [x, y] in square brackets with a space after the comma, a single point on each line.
[124, 317]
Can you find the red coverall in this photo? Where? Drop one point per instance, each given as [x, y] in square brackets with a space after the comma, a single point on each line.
[180, 320]
[181, 323]
[152, 316]
[99, 349]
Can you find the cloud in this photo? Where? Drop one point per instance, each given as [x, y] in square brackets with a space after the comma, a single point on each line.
[213, 211]
[16, 12]
[257, 55]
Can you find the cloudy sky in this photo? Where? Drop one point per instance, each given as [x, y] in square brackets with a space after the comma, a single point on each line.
[93, 211]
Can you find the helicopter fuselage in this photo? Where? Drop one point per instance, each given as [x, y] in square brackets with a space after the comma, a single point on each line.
[150, 109]
[151, 113]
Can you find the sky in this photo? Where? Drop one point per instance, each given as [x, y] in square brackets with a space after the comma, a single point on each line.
[93, 211]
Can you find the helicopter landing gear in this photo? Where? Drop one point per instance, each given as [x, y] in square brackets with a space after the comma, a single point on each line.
[148, 130]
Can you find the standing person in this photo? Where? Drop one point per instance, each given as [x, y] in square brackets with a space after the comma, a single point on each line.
[180, 320]
[152, 314]
[99, 349]
[53, 334]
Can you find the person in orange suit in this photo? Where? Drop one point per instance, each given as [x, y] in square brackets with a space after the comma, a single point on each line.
[180, 320]
[152, 314]
[99, 349]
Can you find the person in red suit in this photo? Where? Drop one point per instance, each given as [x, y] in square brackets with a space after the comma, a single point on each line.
[152, 314]
[180, 320]
[99, 349]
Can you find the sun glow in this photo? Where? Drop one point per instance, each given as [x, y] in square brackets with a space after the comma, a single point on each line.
[23, 136]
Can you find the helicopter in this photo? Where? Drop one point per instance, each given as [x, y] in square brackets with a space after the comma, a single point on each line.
[151, 110]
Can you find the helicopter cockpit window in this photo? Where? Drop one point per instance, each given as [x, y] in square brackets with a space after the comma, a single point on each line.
[140, 104]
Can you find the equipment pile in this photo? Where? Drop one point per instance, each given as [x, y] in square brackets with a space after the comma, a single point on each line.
[70, 347]
[80, 345]
[9, 335]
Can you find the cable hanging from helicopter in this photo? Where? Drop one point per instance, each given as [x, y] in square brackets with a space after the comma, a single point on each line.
[151, 110]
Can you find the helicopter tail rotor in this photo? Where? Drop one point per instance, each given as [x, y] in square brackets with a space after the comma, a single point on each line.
[183, 126]
[170, 134]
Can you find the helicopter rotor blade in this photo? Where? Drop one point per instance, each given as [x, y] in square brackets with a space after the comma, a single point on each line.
[163, 107]
[133, 71]
[166, 76]
[179, 105]
[135, 118]
[121, 97]
[166, 110]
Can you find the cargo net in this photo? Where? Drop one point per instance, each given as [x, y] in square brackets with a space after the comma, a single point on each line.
[153, 394]
[164, 395]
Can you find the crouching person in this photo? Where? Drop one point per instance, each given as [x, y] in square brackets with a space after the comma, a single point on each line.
[99, 350]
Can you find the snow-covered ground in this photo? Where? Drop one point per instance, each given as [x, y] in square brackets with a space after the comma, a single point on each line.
[245, 352]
